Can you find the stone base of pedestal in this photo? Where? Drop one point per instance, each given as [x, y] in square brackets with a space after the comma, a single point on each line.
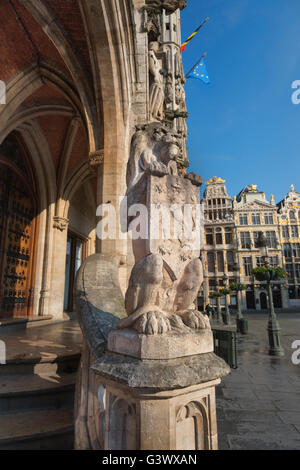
[169, 346]
[160, 404]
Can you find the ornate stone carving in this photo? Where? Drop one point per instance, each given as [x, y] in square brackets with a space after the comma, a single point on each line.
[169, 5]
[96, 158]
[168, 272]
[157, 94]
[60, 223]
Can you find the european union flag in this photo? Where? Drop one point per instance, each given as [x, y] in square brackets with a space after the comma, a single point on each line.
[199, 71]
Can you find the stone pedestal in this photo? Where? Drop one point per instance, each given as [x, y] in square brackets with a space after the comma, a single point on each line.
[160, 404]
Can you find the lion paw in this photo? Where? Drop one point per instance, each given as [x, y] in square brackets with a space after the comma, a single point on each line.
[152, 323]
[196, 320]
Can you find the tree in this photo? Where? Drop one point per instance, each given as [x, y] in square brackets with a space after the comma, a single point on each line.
[268, 274]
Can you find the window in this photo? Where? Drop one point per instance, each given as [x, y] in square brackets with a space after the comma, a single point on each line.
[292, 215]
[220, 258]
[294, 231]
[243, 219]
[296, 250]
[287, 250]
[74, 258]
[247, 265]
[211, 262]
[289, 270]
[259, 261]
[297, 269]
[219, 239]
[230, 261]
[245, 240]
[285, 231]
[271, 237]
[255, 219]
[255, 237]
[273, 260]
[228, 237]
[269, 219]
[209, 237]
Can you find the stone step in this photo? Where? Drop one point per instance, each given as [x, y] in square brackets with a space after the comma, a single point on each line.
[37, 430]
[16, 324]
[23, 392]
[41, 364]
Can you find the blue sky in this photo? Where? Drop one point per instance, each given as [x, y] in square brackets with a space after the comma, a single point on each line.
[243, 126]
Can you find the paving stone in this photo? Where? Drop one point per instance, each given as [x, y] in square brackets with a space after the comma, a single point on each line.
[228, 404]
[251, 386]
[290, 417]
[258, 405]
[289, 404]
[279, 396]
[249, 404]
[262, 427]
[240, 394]
[245, 415]
[264, 442]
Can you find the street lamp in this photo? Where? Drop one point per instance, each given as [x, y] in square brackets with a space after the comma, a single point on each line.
[226, 292]
[269, 274]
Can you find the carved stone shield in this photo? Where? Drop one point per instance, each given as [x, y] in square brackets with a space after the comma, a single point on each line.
[174, 221]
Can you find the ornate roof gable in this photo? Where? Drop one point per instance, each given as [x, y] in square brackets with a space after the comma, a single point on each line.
[255, 205]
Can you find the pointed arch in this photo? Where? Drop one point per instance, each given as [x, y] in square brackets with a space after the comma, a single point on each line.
[47, 20]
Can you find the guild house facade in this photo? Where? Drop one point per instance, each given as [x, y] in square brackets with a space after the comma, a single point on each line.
[230, 251]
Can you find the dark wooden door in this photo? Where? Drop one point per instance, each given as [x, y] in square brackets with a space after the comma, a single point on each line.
[17, 225]
[250, 299]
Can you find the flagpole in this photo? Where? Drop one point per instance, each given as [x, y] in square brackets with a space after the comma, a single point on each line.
[198, 61]
[193, 34]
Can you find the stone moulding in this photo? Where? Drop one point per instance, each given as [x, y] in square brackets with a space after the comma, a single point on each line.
[156, 375]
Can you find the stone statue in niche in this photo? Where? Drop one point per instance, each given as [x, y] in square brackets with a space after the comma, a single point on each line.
[167, 274]
[157, 95]
[180, 96]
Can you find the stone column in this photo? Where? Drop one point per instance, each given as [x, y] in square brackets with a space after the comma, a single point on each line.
[160, 391]
[60, 225]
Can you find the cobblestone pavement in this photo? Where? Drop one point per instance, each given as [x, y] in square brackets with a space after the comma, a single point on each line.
[258, 404]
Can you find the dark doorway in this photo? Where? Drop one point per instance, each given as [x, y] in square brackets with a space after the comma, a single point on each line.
[250, 300]
[74, 256]
[263, 301]
[277, 298]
